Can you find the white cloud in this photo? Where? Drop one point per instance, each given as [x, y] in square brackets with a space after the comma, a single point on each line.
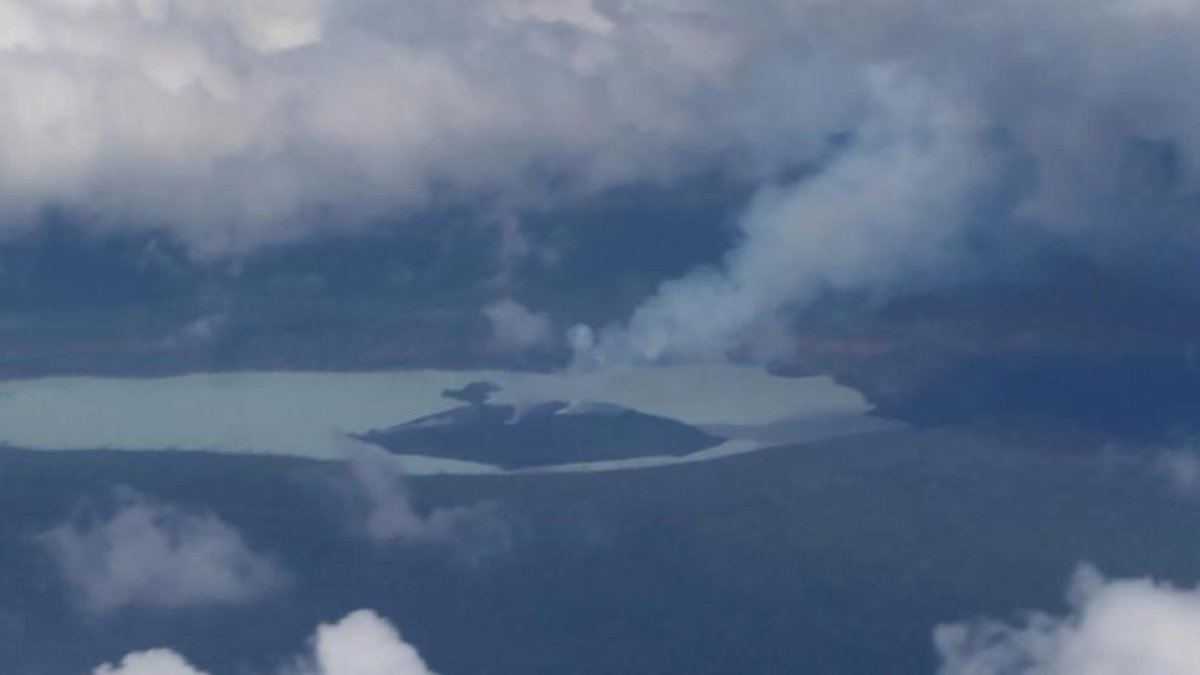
[362, 643]
[242, 122]
[516, 328]
[1181, 469]
[236, 124]
[388, 514]
[1116, 627]
[146, 554]
[152, 662]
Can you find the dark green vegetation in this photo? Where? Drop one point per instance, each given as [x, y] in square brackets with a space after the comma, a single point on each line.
[542, 434]
[835, 557]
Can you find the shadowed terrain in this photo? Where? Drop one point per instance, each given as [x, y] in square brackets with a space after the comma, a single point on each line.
[835, 557]
[543, 434]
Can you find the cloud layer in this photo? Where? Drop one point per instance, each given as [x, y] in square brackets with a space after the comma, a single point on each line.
[362, 643]
[239, 123]
[151, 555]
[1116, 627]
[151, 662]
[244, 122]
[888, 138]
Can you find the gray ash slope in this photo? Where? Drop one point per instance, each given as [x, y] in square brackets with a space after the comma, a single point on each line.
[549, 433]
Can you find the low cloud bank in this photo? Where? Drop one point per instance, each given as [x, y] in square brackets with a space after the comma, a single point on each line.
[363, 643]
[142, 553]
[239, 124]
[1114, 627]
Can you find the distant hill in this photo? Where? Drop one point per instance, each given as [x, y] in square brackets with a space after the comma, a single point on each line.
[544, 434]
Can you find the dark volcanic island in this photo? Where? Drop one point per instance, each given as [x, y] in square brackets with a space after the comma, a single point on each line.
[540, 435]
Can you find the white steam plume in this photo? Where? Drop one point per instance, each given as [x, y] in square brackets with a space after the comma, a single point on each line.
[889, 207]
